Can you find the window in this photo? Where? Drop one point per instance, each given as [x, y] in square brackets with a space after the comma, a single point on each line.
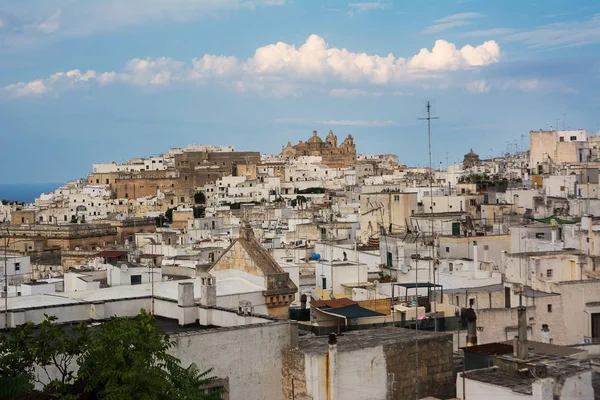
[17, 266]
[548, 273]
[136, 279]
[396, 198]
[457, 301]
[561, 139]
[471, 302]
[447, 249]
[573, 138]
[549, 306]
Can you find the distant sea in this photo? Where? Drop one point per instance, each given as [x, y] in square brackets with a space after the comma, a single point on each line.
[25, 192]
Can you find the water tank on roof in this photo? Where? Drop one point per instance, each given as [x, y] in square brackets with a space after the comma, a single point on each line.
[315, 257]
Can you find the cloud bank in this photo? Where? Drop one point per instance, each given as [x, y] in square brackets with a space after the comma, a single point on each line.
[281, 66]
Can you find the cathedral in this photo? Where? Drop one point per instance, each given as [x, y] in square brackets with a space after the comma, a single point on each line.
[332, 155]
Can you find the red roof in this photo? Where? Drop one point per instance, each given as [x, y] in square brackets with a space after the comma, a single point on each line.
[334, 303]
[111, 254]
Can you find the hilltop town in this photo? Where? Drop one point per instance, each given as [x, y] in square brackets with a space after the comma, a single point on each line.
[320, 272]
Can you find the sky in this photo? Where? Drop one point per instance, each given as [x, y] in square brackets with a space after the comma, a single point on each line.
[84, 82]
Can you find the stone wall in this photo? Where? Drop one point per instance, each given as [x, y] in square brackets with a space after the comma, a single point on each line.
[435, 370]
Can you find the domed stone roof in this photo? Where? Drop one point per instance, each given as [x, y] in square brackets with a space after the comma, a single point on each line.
[471, 154]
[315, 138]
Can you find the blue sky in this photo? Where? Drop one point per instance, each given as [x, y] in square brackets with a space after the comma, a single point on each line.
[84, 82]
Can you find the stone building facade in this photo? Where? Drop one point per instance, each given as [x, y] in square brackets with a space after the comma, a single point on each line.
[470, 160]
[248, 256]
[196, 168]
[332, 155]
[370, 364]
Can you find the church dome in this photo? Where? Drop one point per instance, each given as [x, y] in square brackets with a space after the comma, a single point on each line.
[471, 154]
[315, 138]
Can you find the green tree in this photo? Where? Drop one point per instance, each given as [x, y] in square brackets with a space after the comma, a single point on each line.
[199, 212]
[169, 215]
[16, 363]
[120, 359]
[199, 198]
[128, 359]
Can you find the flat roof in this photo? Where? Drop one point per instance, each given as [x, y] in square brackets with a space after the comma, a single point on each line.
[352, 311]
[357, 340]
[518, 383]
[168, 290]
[418, 285]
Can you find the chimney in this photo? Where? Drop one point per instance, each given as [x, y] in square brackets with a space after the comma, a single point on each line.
[475, 256]
[185, 294]
[331, 377]
[208, 290]
[471, 318]
[545, 334]
[187, 311]
[303, 300]
[522, 348]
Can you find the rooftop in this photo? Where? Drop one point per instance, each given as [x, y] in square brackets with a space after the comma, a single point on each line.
[519, 383]
[356, 340]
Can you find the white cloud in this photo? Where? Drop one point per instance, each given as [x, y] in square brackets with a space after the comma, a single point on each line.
[56, 82]
[364, 93]
[364, 7]
[358, 122]
[353, 93]
[489, 32]
[452, 21]
[478, 87]
[282, 68]
[529, 85]
[460, 17]
[51, 24]
[534, 85]
[445, 55]
[1, 23]
[90, 17]
[555, 35]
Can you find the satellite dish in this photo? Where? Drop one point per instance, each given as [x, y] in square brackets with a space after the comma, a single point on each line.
[124, 268]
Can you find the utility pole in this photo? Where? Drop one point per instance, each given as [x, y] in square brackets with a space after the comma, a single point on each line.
[6, 242]
[431, 254]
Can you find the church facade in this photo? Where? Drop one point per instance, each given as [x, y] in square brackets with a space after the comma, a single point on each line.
[332, 155]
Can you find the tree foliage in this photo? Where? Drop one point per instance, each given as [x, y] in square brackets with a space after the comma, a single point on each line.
[199, 198]
[169, 215]
[119, 359]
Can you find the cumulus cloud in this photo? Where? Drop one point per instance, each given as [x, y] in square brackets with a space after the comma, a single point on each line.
[452, 21]
[355, 8]
[58, 81]
[478, 87]
[445, 55]
[282, 68]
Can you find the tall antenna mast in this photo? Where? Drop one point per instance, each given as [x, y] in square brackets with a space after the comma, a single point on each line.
[428, 119]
